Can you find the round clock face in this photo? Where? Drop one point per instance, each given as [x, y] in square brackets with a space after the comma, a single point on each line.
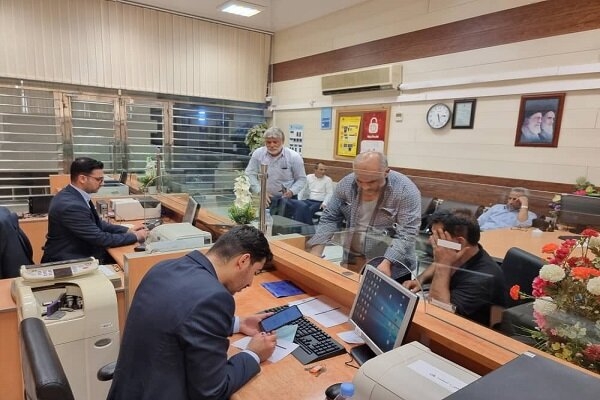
[438, 115]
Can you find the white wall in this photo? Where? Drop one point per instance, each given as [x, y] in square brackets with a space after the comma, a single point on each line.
[496, 77]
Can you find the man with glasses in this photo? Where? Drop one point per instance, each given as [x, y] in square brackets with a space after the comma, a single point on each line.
[514, 214]
[74, 228]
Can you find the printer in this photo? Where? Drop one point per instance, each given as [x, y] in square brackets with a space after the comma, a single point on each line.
[180, 236]
[112, 189]
[410, 372]
[128, 209]
[78, 304]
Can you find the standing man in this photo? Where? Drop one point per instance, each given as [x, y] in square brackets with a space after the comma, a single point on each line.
[315, 195]
[468, 280]
[74, 228]
[285, 169]
[515, 213]
[176, 335]
[375, 202]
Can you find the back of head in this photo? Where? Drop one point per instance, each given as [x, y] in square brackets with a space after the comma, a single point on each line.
[242, 239]
[84, 166]
[458, 223]
[274, 133]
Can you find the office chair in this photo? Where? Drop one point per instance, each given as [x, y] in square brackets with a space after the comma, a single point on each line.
[15, 248]
[452, 205]
[43, 375]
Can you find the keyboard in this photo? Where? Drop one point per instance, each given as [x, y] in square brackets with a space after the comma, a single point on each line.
[313, 343]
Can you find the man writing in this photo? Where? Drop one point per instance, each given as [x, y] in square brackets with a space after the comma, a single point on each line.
[468, 280]
[375, 202]
[74, 228]
[176, 335]
[515, 213]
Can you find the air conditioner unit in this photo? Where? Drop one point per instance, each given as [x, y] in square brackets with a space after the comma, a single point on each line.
[380, 78]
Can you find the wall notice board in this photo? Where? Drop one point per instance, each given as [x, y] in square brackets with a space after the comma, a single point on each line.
[360, 130]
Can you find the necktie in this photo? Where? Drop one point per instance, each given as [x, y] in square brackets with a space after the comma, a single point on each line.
[93, 208]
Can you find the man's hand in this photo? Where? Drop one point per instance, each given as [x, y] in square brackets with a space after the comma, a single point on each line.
[249, 325]
[288, 194]
[386, 267]
[524, 201]
[317, 250]
[140, 231]
[263, 345]
[413, 285]
[443, 255]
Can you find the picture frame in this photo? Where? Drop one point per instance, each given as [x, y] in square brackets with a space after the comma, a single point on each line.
[463, 113]
[360, 129]
[539, 120]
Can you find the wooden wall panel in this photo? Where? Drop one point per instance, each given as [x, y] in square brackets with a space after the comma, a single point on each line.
[533, 21]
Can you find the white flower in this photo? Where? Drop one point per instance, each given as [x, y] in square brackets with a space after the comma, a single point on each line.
[593, 286]
[241, 189]
[544, 305]
[552, 273]
[594, 242]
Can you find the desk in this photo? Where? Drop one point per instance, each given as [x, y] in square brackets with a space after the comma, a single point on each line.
[497, 241]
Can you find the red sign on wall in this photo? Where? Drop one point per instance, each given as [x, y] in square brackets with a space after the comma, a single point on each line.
[373, 125]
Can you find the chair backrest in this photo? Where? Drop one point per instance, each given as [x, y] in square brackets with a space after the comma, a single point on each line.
[452, 205]
[15, 248]
[43, 375]
[520, 268]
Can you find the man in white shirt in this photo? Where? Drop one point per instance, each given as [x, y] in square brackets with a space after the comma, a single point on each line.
[316, 193]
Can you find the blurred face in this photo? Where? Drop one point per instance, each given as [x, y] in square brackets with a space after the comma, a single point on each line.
[534, 123]
[90, 183]
[274, 146]
[244, 275]
[320, 171]
[513, 202]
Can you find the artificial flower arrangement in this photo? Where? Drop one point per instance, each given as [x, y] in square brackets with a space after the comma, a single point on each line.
[242, 211]
[149, 173]
[566, 309]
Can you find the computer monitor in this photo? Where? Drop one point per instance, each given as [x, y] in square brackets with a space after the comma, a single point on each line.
[40, 204]
[381, 314]
[579, 212]
[190, 211]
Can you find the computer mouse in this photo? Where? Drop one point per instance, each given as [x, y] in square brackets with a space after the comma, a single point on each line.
[139, 247]
[333, 391]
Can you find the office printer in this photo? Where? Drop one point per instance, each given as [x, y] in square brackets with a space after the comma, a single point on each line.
[410, 372]
[180, 236]
[128, 209]
[115, 188]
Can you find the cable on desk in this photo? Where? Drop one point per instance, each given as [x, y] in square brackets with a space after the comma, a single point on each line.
[349, 362]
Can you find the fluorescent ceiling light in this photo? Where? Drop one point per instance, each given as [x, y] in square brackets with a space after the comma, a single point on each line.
[241, 8]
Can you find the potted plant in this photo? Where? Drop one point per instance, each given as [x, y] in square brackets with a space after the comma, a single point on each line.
[254, 137]
[242, 210]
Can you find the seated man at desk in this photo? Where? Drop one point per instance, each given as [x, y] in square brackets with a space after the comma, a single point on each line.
[468, 280]
[377, 204]
[314, 196]
[515, 213]
[74, 228]
[176, 335]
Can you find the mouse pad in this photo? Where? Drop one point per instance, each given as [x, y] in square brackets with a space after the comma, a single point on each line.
[282, 288]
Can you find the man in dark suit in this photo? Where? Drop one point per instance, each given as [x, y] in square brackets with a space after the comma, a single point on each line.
[15, 248]
[176, 335]
[74, 228]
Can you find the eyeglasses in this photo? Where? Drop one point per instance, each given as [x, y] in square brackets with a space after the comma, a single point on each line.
[98, 179]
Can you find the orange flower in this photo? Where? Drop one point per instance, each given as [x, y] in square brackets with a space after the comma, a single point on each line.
[584, 272]
[549, 248]
[514, 292]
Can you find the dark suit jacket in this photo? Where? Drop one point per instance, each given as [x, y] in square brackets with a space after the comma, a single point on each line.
[74, 232]
[176, 337]
[15, 249]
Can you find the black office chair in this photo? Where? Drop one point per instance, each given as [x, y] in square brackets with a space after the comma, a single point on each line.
[15, 248]
[452, 205]
[43, 375]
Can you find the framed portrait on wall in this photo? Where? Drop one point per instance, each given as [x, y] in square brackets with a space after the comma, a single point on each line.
[539, 120]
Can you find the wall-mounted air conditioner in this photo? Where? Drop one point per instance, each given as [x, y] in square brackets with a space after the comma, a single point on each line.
[378, 78]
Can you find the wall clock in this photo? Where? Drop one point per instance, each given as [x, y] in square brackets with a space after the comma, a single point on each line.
[438, 115]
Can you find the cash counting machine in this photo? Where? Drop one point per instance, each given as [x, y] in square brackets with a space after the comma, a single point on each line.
[180, 236]
[78, 304]
[129, 209]
[410, 372]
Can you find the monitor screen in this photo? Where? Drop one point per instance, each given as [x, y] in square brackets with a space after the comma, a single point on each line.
[381, 313]
[40, 204]
[190, 211]
[579, 211]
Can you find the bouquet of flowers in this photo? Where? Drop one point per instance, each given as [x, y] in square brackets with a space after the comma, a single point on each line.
[242, 211]
[567, 301]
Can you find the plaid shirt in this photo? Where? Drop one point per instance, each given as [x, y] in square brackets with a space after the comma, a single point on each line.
[400, 210]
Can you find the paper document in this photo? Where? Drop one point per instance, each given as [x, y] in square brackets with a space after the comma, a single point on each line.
[282, 349]
[323, 310]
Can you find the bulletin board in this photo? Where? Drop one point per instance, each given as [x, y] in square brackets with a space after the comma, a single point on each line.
[359, 130]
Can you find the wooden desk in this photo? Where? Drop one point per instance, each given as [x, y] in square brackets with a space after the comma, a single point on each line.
[497, 242]
[36, 230]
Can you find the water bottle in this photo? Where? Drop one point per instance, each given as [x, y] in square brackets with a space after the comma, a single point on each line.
[268, 223]
[346, 391]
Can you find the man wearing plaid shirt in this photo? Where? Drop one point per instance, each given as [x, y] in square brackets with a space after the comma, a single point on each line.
[379, 206]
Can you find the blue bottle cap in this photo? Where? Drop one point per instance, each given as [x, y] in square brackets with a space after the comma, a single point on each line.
[347, 389]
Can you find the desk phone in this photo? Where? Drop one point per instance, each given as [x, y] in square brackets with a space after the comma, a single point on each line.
[59, 269]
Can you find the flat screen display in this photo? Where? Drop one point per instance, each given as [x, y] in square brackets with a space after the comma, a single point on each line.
[382, 310]
[190, 211]
[579, 211]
